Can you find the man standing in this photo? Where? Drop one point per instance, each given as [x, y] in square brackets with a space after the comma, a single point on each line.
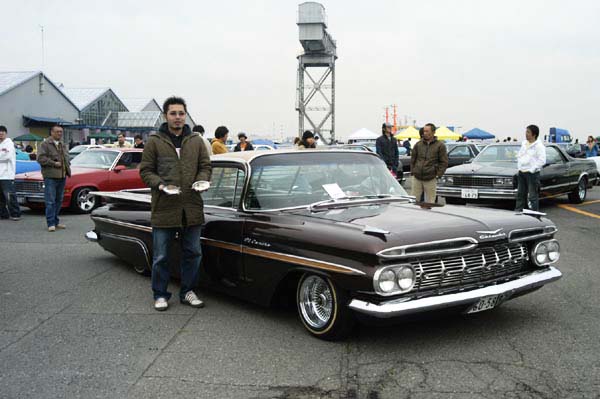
[121, 143]
[530, 160]
[8, 162]
[138, 142]
[387, 148]
[244, 144]
[428, 161]
[407, 145]
[54, 159]
[200, 130]
[173, 160]
[218, 144]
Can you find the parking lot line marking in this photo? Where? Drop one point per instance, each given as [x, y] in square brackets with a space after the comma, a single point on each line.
[590, 202]
[570, 208]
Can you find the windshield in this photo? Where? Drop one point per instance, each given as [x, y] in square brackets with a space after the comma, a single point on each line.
[95, 159]
[292, 180]
[498, 153]
[77, 149]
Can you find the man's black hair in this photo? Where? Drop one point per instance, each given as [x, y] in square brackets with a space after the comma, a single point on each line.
[137, 136]
[121, 134]
[534, 130]
[221, 132]
[198, 129]
[432, 126]
[172, 101]
[3, 129]
[421, 132]
[53, 126]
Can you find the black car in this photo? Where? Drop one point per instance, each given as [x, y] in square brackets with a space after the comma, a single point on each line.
[493, 175]
[334, 233]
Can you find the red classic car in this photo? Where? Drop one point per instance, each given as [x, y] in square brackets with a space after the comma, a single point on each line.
[106, 169]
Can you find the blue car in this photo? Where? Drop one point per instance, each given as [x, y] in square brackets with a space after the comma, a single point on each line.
[24, 164]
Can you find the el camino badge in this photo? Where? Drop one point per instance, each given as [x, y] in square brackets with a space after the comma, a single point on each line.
[491, 235]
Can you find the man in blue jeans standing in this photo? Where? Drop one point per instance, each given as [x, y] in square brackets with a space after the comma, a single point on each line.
[174, 159]
[54, 159]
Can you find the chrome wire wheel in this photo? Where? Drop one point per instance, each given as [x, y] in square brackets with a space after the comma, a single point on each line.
[316, 302]
[85, 202]
[582, 189]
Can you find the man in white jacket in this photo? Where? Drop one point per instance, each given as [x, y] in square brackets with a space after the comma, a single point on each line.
[530, 160]
[8, 164]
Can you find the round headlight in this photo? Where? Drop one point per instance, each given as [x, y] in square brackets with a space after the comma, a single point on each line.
[387, 281]
[541, 254]
[406, 278]
[553, 251]
[449, 179]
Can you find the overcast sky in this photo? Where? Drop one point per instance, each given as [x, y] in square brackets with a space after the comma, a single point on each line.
[495, 65]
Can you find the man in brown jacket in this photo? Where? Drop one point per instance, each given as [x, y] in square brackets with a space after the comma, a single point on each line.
[173, 160]
[54, 159]
[428, 161]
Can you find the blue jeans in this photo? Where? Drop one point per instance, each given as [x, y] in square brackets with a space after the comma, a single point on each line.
[528, 186]
[191, 255]
[54, 190]
[8, 198]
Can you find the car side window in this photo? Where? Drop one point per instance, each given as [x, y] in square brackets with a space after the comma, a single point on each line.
[226, 186]
[460, 151]
[130, 160]
[552, 156]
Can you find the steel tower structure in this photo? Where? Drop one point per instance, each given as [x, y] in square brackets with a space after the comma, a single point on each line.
[317, 105]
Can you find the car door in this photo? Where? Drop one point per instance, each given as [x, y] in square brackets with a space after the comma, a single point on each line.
[459, 155]
[554, 177]
[224, 224]
[129, 177]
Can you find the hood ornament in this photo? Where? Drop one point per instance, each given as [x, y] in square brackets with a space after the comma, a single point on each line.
[491, 234]
[490, 231]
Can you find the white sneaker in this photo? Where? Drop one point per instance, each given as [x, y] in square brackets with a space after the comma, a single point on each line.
[161, 304]
[192, 300]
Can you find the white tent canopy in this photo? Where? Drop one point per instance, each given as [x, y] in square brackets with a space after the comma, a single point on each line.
[362, 134]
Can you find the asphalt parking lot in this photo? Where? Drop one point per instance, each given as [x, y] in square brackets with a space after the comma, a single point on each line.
[75, 322]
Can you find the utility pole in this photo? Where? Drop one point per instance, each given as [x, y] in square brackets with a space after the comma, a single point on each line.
[43, 55]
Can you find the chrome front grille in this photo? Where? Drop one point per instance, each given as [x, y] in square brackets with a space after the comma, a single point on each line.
[26, 186]
[471, 181]
[479, 265]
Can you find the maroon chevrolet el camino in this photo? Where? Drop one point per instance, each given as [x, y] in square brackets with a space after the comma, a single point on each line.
[334, 231]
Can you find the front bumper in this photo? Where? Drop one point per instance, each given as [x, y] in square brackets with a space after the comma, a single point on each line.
[482, 193]
[402, 307]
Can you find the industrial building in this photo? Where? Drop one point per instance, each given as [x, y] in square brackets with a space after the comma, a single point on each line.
[31, 103]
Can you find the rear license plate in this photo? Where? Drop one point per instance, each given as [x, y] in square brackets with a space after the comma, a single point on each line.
[469, 193]
[486, 303]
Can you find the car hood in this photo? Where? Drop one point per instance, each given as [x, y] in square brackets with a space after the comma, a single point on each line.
[486, 169]
[37, 175]
[411, 224]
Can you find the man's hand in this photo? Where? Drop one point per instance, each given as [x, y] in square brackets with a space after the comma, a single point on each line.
[57, 164]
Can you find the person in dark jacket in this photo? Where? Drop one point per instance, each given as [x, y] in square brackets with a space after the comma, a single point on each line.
[244, 144]
[53, 157]
[428, 161]
[308, 141]
[407, 145]
[387, 148]
[174, 159]
[138, 141]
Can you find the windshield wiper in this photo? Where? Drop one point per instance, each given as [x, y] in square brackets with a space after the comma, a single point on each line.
[357, 200]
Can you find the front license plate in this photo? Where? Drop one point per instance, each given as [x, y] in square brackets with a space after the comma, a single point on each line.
[469, 193]
[21, 200]
[486, 303]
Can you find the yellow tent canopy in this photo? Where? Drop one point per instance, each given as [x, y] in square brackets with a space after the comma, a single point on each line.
[443, 133]
[410, 131]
